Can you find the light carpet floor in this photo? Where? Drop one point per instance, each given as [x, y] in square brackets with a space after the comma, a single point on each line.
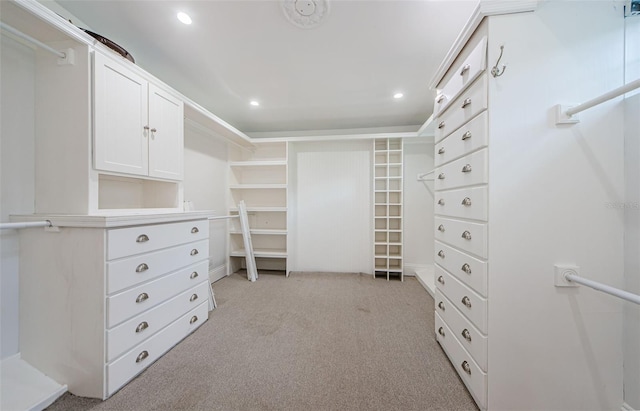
[313, 341]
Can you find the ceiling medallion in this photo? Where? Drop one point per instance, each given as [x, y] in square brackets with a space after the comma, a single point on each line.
[305, 14]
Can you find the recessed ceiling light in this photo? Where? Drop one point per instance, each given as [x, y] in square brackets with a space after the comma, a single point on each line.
[254, 103]
[184, 17]
[398, 95]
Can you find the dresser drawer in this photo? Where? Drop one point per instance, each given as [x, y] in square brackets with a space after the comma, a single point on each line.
[470, 373]
[467, 334]
[465, 203]
[122, 242]
[135, 361]
[135, 300]
[463, 75]
[472, 136]
[470, 103]
[470, 237]
[468, 269]
[466, 171]
[472, 305]
[138, 329]
[135, 270]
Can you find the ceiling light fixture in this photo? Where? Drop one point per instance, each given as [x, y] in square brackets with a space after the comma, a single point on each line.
[305, 14]
[398, 95]
[184, 18]
[254, 103]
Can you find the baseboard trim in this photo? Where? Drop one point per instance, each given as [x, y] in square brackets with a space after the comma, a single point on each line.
[217, 273]
[627, 407]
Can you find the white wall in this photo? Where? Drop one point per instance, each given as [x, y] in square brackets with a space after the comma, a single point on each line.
[205, 182]
[418, 205]
[17, 65]
[631, 324]
[330, 206]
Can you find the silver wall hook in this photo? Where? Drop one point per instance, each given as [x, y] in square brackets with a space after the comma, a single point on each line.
[495, 71]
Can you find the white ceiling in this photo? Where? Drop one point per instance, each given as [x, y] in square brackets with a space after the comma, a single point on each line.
[339, 75]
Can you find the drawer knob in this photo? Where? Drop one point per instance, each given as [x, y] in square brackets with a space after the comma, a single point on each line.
[466, 301]
[441, 305]
[466, 136]
[465, 68]
[441, 280]
[441, 331]
[195, 230]
[142, 326]
[466, 201]
[193, 298]
[141, 268]
[466, 168]
[466, 102]
[441, 125]
[193, 319]
[194, 252]
[142, 356]
[465, 367]
[441, 201]
[142, 297]
[440, 98]
[193, 275]
[441, 254]
[441, 150]
[441, 228]
[142, 238]
[466, 268]
[466, 235]
[441, 176]
[466, 334]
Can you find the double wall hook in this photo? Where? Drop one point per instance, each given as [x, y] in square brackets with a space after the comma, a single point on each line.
[495, 71]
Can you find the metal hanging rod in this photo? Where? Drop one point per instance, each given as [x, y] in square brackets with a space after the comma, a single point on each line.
[30, 39]
[625, 295]
[45, 223]
[222, 217]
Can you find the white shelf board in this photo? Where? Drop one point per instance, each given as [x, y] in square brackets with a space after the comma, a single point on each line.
[261, 209]
[259, 163]
[425, 276]
[258, 231]
[257, 186]
[26, 388]
[264, 253]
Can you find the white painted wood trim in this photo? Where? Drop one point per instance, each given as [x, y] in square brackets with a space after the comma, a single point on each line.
[627, 407]
[218, 273]
[369, 136]
[95, 221]
[483, 9]
[424, 273]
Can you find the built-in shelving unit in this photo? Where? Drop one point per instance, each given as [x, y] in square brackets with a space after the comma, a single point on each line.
[387, 220]
[259, 177]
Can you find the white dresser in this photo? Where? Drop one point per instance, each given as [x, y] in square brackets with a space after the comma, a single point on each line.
[101, 298]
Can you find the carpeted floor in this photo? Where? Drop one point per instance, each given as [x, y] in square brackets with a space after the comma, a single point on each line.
[313, 341]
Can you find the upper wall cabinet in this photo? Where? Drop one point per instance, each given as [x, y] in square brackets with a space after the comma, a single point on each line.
[138, 127]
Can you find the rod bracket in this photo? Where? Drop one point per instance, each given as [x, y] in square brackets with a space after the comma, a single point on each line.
[560, 273]
[69, 58]
[562, 117]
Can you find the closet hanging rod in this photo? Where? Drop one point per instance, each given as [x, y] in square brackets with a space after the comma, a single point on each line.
[45, 223]
[30, 39]
[222, 217]
[625, 295]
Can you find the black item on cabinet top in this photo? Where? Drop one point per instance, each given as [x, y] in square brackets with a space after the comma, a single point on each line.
[113, 46]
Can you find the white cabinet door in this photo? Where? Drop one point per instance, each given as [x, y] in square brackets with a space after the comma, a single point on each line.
[166, 140]
[120, 118]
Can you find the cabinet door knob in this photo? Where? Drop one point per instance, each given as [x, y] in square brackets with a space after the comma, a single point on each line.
[466, 301]
[194, 252]
[441, 280]
[465, 367]
[193, 298]
[441, 331]
[441, 150]
[141, 268]
[193, 319]
[195, 230]
[466, 136]
[142, 238]
[465, 68]
[142, 356]
[153, 130]
[440, 98]
[441, 201]
[146, 128]
[193, 275]
[441, 124]
[142, 326]
[466, 201]
[466, 235]
[466, 268]
[142, 297]
[466, 168]
[441, 305]
[466, 102]
[466, 334]
[441, 176]
[441, 228]
[441, 254]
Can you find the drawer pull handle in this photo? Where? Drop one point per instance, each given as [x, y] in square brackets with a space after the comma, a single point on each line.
[466, 301]
[142, 297]
[193, 275]
[193, 298]
[465, 367]
[466, 102]
[440, 98]
[466, 136]
[466, 235]
[193, 319]
[441, 125]
[466, 201]
[441, 201]
[142, 356]
[194, 252]
[142, 326]
[195, 230]
[441, 331]
[466, 169]
[142, 268]
[441, 305]
[441, 151]
[441, 176]
[441, 280]
[466, 268]
[142, 238]
[441, 228]
[441, 254]
[465, 68]
[466, 334]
